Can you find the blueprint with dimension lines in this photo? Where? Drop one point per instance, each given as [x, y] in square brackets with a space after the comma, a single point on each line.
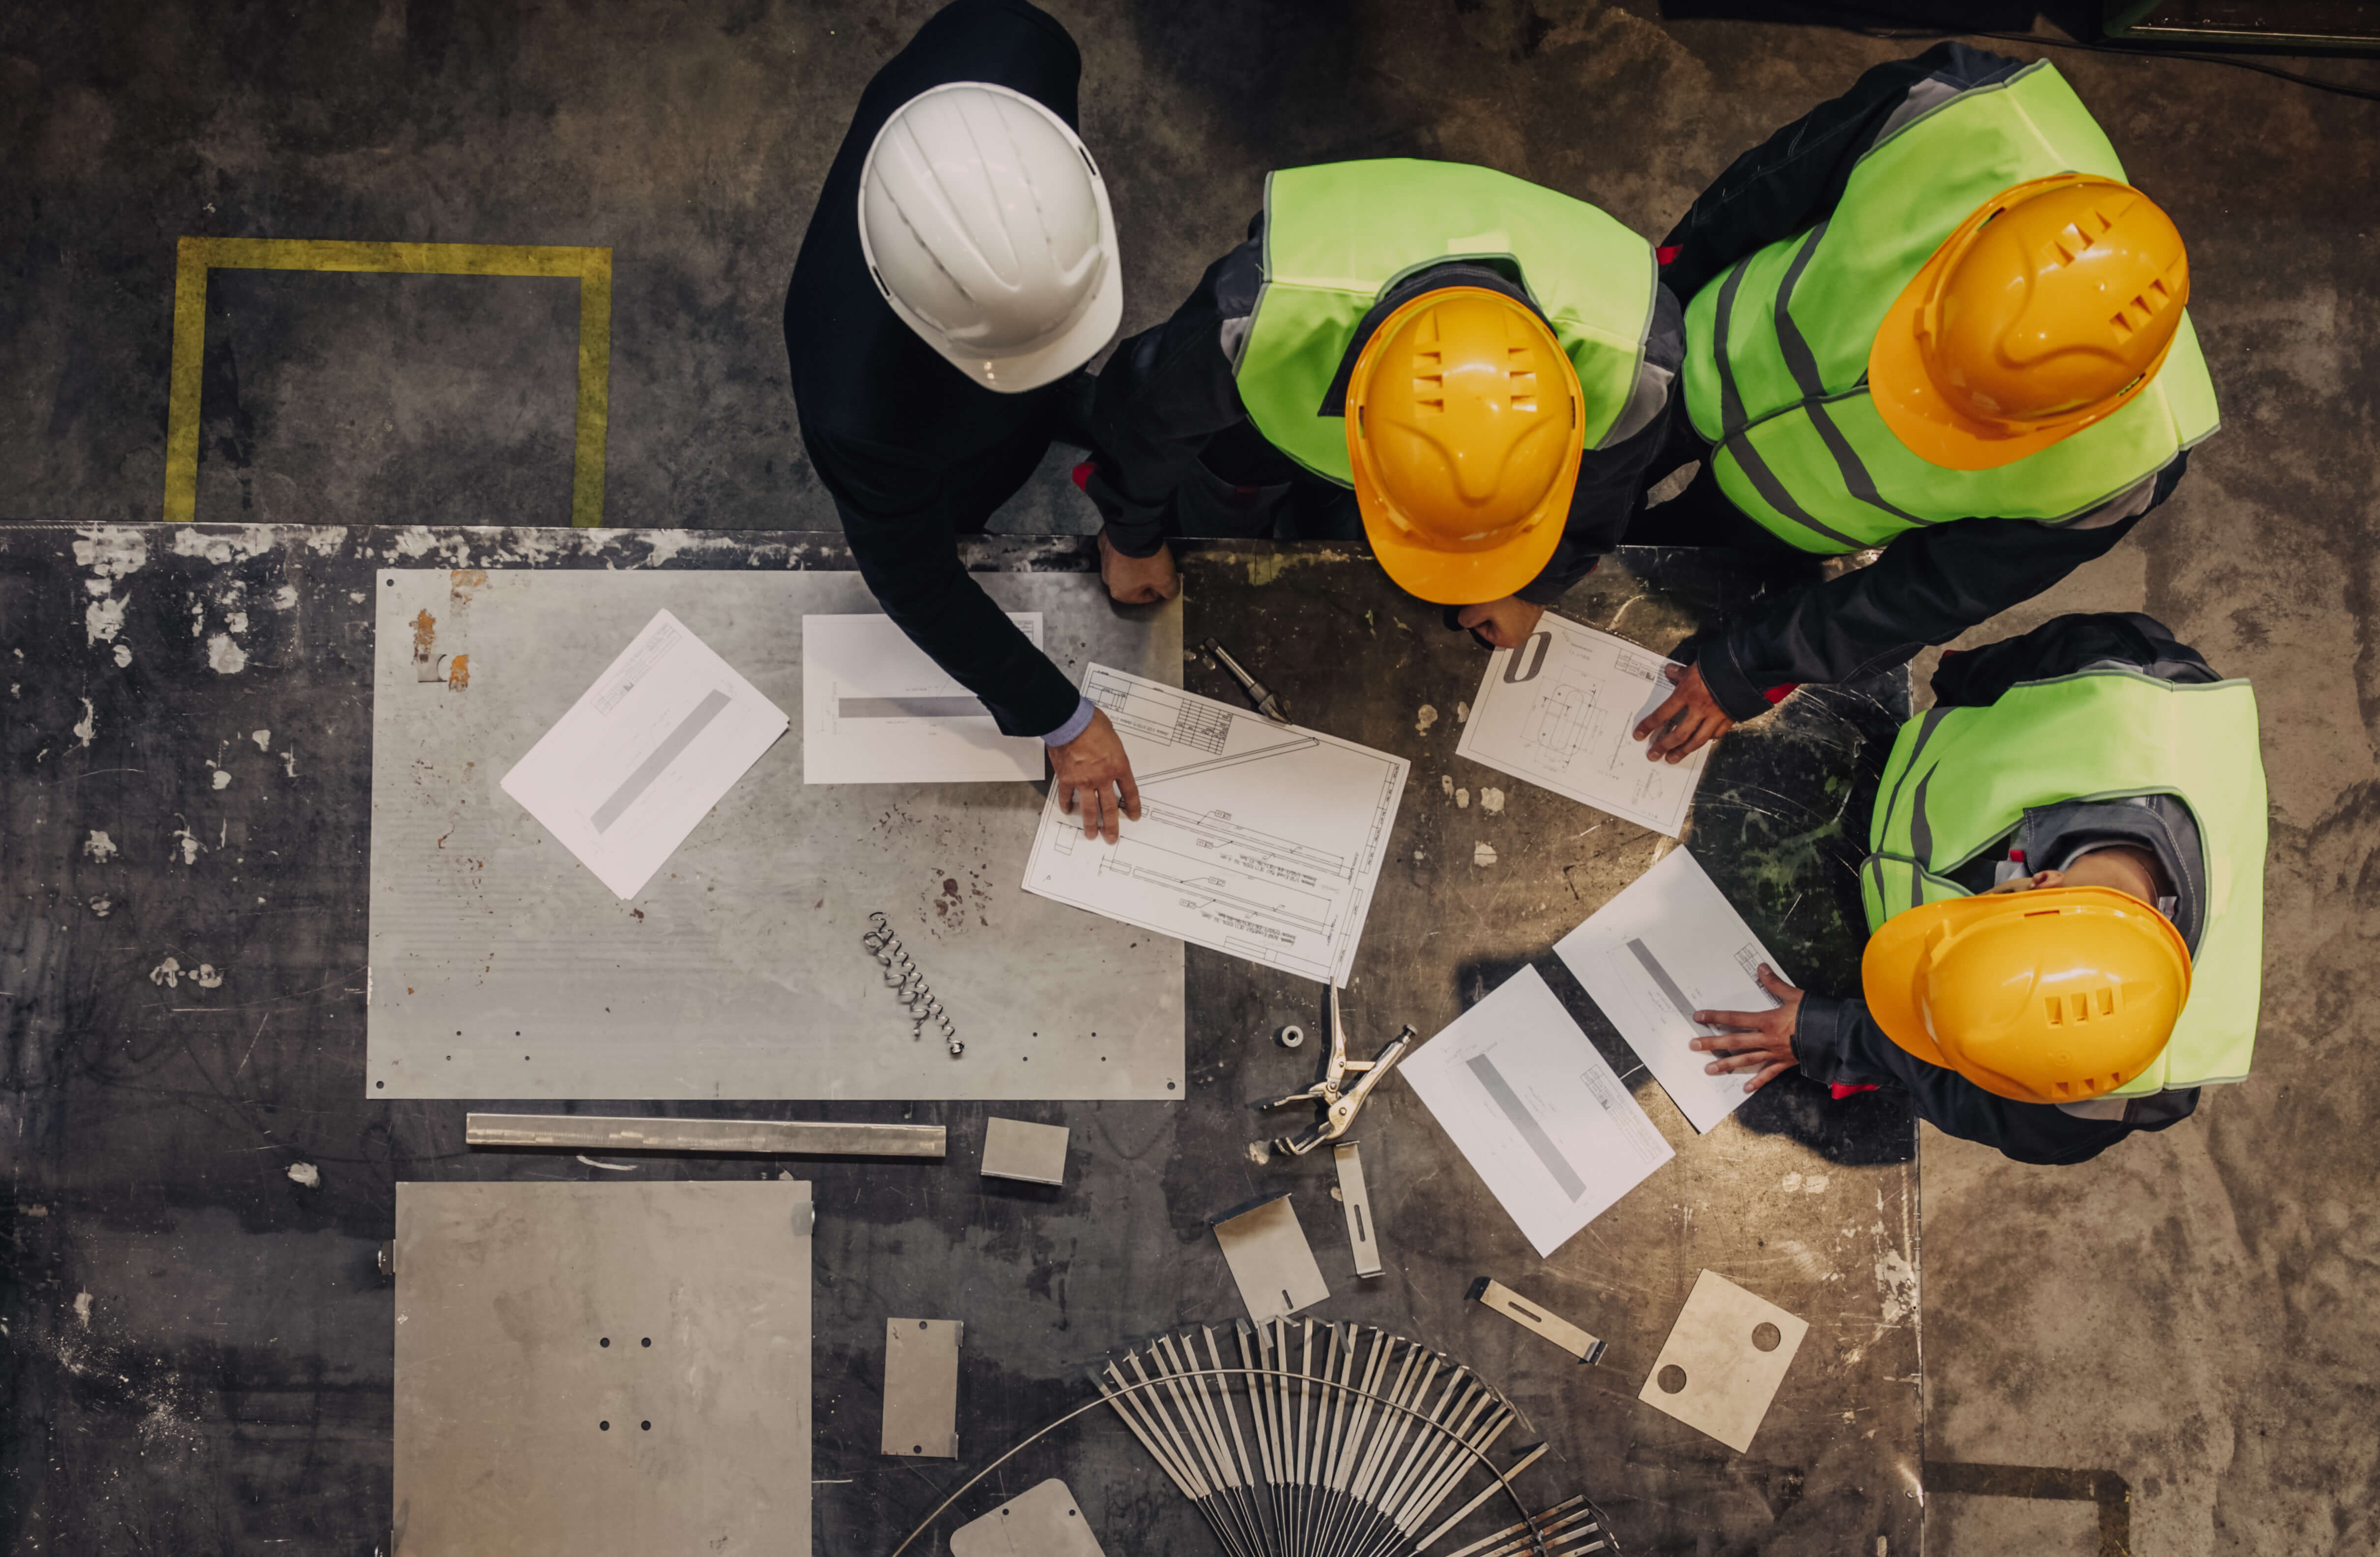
[1259, 839]
[1560, 711]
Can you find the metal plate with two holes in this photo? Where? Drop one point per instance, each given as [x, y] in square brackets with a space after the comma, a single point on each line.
[921, 1387]
[1724, 1357]
[585, 1369]
[1042, 1521]
[501, 967]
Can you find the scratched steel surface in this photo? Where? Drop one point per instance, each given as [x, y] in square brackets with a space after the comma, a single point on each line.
[201, 1345]
[501, 964]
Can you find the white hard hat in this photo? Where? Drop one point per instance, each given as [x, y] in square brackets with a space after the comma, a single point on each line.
[986, 225]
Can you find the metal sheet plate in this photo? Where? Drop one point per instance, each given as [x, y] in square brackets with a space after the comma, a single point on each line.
[592, 1368]
[1013, 1148]
[921, 1387]
[1733, 1349]
[1041, 1521]
[503, 968]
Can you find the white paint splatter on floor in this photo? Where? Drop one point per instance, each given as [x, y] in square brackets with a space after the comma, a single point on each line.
[1463, 799]
[82, 1308]
[1491, 801]
[223, 779]
[99, 846]
[263, 739]
[1424, 720]
[123, 655]
[1446, 784]
[226, 657]
[207, 977]
[1463, 714]
[306, 1176]
[1483, 854]
[87, 725]
[167, 975]
[102, 620]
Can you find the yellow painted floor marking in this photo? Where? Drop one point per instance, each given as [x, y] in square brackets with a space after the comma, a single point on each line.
[590, 267]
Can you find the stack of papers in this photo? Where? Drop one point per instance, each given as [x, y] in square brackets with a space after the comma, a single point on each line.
[1559, 711]
[877, 710]
[1668, 946]
[663, 734]
[1538, 1112]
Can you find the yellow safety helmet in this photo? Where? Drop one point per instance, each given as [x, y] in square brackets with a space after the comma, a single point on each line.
[1464, 428]
[2052, 996]
[2050, 307]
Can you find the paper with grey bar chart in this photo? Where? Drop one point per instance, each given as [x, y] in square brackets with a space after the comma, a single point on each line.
[1259, 839]
[644, 754]
[875, 708]
[1668, 946]
[1539, 1114]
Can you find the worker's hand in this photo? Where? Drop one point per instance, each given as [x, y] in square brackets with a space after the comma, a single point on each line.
[1505, 623]
[1093, 771]
[1759, 1041]
[1689, 721]
[1137, 580]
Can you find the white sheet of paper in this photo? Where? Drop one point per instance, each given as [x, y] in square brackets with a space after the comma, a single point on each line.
[1670, 944]
[1542, 1118]
[1558, 711]
[1259, 839]
[877, 710]
[644, 754]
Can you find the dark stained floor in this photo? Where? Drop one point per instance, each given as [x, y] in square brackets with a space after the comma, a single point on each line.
[2198, 1312]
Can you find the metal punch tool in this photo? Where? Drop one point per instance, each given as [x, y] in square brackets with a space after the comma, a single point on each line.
[1340, 1101]
[1266, 701]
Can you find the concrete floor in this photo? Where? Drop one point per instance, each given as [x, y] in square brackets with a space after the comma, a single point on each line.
[2198, 1312]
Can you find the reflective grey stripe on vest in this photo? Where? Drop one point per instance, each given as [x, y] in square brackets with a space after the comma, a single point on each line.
[1921, 842]
[1802, 364]
[1731, 421]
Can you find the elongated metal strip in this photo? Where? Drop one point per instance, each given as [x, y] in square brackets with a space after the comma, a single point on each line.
[1467, 1510]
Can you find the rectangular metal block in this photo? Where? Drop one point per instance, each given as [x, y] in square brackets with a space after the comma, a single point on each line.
[585, 1369]
[588, 1132]
[921, 1388]
[1041, 1521]
[1036, 1153]
[1271, 1260]
[1732, 1349]
[1363, 1236]
[1492, 1293]
[500, 967]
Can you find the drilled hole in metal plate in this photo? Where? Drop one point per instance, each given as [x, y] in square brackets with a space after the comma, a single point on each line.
[646, 1342]
[1767, 1336]
[921, 1324]
[1671, 1379]
[605, 1342]
[647, 1426]
[916, 1448]
[604, 1427]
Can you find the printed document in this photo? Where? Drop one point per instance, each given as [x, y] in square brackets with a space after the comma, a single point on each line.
[1668, 946]
[1259, 839]
[665, 731]
[877, 710]
[1559, 711]
[1540, 1115]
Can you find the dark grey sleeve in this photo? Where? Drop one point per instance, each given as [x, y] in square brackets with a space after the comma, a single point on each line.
[1164, 394]
[1610, 476]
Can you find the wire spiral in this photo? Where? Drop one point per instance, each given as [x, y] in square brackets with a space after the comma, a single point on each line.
[909, 986]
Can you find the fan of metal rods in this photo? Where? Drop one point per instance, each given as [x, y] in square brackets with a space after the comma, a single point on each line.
[1349, 1452]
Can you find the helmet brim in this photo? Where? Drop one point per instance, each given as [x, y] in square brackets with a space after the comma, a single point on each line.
[1463, 578]
[1928, 423]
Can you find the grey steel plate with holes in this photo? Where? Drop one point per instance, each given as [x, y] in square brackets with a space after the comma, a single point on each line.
[501, 967]
[1733, 1349]
[594, 1368]
[921, 1387]
[1036, 1153]
[1041, 1521]
[588, 1132]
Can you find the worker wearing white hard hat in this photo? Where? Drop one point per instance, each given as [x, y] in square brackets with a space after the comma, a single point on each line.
[959, 273]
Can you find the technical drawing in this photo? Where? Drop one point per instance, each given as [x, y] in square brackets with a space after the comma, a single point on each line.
[1254, 839]
[1561, 719]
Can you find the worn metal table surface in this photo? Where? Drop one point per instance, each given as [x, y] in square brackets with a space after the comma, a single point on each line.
[198, 1353]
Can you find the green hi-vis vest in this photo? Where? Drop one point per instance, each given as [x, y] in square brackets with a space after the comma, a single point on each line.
[1960, 779]
[1336, 239]
[1777, 347]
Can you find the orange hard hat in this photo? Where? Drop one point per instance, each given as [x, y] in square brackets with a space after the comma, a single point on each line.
[2053, 996]
[2050, 307]
[1465, 429]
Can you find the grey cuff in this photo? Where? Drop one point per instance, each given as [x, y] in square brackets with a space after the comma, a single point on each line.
[1818, 1028]
[1084, 709]
[1730, 688]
